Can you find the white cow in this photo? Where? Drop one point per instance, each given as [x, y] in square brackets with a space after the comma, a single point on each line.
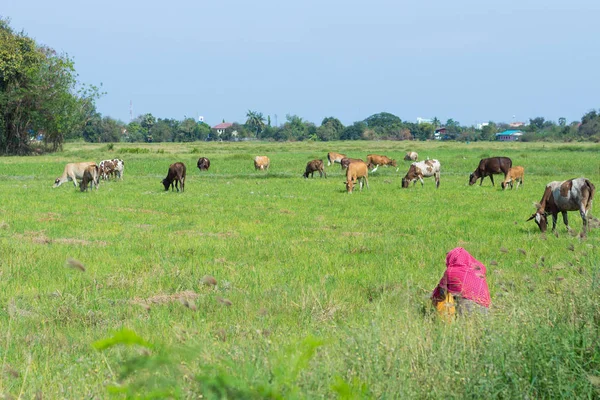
[72, 172]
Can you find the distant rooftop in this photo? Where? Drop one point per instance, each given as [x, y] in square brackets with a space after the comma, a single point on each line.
[510, 132]
[223, 125]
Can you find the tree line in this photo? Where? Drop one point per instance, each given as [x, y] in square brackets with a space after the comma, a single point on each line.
[42, 105]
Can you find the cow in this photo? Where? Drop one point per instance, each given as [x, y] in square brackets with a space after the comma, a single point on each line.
[344, 162]
[490, 166]
[571, 195]
[107, 169]
[314, 166]
[514, 174]
[203, 164]
[333, 158]
[261, 162]
[176, 174]
[357, 171]
[420, 170]
[374, 160]
[119, 168]
[411, 156]
[72, 172]
[90, 176]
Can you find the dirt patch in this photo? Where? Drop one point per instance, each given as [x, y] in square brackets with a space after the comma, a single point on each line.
[50, 217]
[41, 238]
[140, 210]
[186, 295]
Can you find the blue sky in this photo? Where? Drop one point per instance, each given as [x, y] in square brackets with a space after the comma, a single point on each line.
[472, 61]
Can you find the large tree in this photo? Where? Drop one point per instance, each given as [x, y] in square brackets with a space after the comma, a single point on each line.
[255, 122]
[39, 93]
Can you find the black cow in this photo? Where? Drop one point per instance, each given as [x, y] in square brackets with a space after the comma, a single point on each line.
[490, 166]
[203, 163]
[314, 166]
[176, 174]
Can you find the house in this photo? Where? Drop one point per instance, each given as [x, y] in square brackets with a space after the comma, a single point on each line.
[440, 133]
[220, 128]
[510, 135]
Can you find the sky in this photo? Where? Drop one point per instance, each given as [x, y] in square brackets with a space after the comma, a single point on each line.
[472, 61]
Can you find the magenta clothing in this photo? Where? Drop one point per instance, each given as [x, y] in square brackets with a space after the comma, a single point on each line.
[464, 276]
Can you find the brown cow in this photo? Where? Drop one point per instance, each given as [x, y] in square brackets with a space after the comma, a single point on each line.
[515, 174]
[334, 158]
[490, 166]
[90, 176]
[261, 162]
[346, 161]
[314, 166]
[357, 171]
[374, 160]
[203, 164]
[175, 175]
[72, 172]
[572, 195]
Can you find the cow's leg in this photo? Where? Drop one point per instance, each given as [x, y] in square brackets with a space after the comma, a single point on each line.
[583, 213]
[481, 181]
[74, 179]
[421, 179]
[367, 182]
[437, 180]
[492, 178]
[183, 184]
[565, 220]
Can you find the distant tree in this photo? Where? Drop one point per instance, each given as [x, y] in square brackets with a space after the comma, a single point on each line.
[382, 120]
[536, 124]
[102, 129]
[488, 132]
[147, 122]
[164, 130]
[435, 122]
[354, 131]
[255, 122]
[331, 129]
[590, 125]
[562, 121]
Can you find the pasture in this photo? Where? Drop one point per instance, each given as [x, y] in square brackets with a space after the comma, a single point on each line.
[319, 293]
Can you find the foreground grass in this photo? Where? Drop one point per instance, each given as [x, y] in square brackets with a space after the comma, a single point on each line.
[318, 292]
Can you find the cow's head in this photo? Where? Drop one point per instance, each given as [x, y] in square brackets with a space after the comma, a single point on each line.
[166, 183]
[472, 179]
[541, 219]
[349, 185]
[405, 182]
[57, 183]
[393, 163]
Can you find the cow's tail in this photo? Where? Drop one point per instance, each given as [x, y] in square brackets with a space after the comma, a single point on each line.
[328, 160]
[592, 190]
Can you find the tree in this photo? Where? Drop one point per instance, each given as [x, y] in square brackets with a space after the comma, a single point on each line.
[331, 129]
[562, 121]
[39, 93]
[590, 124]
[147, 122]
[382, 120]
[435, 122]
[354, 131]
[255, 122]
[488, 132]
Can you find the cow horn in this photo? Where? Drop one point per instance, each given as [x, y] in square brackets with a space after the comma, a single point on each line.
[532, 217]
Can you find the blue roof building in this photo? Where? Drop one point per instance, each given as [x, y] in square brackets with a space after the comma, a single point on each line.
[510, 135]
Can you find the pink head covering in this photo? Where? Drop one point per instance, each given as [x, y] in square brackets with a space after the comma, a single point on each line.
[464, 276]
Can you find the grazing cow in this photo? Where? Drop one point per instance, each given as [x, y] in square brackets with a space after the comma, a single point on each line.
[261, 162]
[346, 161]
[374, 160]
[333, 158]
[420, 170]
[572, 195]
[119, 168]
[72, 172]
[314, 166]
[107, 169]
[357, 171]
[176, 174]
[514, 174]
[90, 176]
[411, 156]
[203, 164]
[490, 166]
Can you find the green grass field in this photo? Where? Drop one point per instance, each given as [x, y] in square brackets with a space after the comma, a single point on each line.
[320, 294]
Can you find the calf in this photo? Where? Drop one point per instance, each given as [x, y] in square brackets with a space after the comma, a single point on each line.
[346, 161]
[411, 156]
[314, 166]
[357, 171]
[119, 168]
[374, 160]
[514, 174]
[261, 163]
[420, 170]
[572, 195]
[334, 158]
[90, 176]
[72, 172]
[490, 166]
[175, 175]
[107, 169]
[203, 164]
